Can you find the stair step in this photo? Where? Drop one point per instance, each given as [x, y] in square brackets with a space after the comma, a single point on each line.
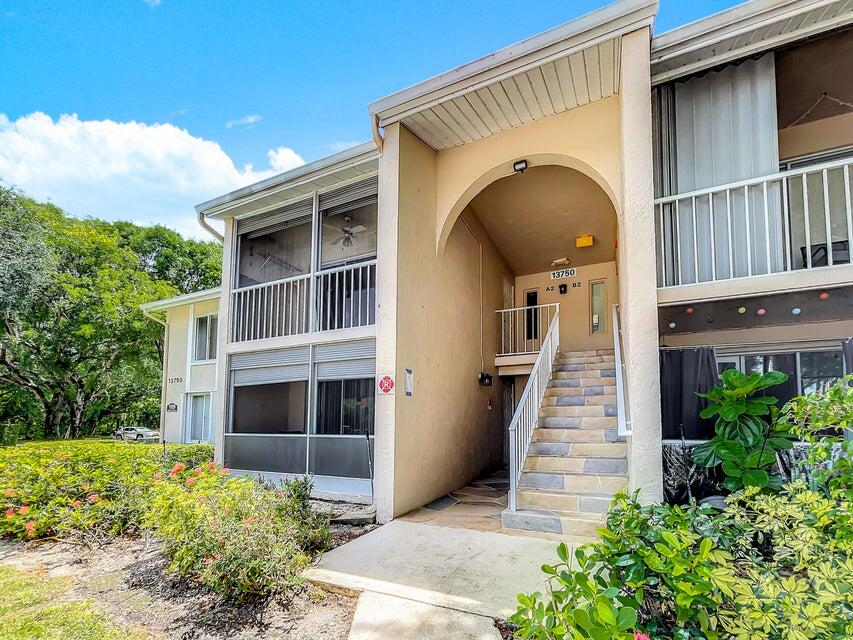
[561, 522]
[570, 411]
[578, 400]
[593, 375]
[557, 390]
[580, 354]
[567, 481]
[577, 422]
[577, 464]
[547, 436]
[568, 501]
[583, 359]
[579, 449]
[583, 366]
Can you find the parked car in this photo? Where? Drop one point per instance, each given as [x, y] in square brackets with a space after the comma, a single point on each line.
[138, 434]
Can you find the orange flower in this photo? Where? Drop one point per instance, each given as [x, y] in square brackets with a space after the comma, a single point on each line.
[76, 503]
[197, 470]
[23, 510]
[190, 481]
[223, 471]
[92, 497]
[248, 521]
[10, 492]
[211, 466]
[208, 560]
[30, 528]
[178, 468]
[10, 512]
[158, 474]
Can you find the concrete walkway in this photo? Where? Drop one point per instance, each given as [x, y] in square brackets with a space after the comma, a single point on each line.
[474, 572]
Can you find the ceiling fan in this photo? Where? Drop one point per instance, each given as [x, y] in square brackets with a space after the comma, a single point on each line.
[348, 232]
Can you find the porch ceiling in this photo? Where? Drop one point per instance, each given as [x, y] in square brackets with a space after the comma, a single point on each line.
[742, 31]
[572, 65]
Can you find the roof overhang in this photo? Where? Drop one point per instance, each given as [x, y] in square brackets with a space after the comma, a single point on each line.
[563, 68]
[327, 173]
[742, 31]
[177, 301]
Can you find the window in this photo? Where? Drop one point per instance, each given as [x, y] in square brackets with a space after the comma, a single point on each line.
[266, 256]
[278, 408]
[205, 338]
[199, 418]
[345, 407]
[597, 304]
[820, 369]
[348, 234]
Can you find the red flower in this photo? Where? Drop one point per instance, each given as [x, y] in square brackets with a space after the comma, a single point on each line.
[190, 481]
[10, 512]
[76, 503]
[208, 560]
[30, 528]
[197, 470]
[92, 497]
[639, 635]
[178, 468]
[211, 466]
[10, 492]
[158, 474]
[23, 510]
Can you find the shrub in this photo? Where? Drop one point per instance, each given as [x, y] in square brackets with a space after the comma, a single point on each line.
[747, 435]
[90, 487]
[231, 533]
[772, 566]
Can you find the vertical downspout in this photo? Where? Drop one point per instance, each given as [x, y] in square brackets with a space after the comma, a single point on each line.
[165, 371]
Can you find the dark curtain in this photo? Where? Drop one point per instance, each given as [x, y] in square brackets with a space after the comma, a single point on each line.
[683, 372]
[847, 350]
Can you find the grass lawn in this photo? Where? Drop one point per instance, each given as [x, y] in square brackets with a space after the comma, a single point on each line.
[35, 606]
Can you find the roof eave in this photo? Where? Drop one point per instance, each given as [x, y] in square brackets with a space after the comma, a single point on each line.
[177, 301]
[219, 207]
[608, 22]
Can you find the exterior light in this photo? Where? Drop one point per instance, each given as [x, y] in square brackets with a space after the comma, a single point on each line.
[584, 241]
[796, 311]
[672, 325]
[519, 166]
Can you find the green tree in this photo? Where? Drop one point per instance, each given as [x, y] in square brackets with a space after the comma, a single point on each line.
[74, 346]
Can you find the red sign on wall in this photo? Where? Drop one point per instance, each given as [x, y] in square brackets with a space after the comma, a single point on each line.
[385, 385]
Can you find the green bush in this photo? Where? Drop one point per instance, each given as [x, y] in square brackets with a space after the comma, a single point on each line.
[772, 566]
[231, 533]
[90, 487]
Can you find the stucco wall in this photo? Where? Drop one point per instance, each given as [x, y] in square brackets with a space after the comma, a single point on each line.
[183, 377]
[451, 429]
[575, 305]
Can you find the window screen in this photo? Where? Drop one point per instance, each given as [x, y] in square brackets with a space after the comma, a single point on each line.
[265, 257]
[819, 370]
[345, 407]
[348, 236]
[271, 408]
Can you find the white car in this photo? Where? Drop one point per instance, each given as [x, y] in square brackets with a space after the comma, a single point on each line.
[137, 434]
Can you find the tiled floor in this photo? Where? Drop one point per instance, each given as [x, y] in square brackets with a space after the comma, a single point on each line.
[477, 506]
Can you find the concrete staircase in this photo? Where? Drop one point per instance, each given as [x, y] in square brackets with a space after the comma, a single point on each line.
[576, 460]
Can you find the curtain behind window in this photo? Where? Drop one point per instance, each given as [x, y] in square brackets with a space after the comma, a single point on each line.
[683, 372]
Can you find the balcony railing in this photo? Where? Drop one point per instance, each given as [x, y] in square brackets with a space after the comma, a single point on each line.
[797, 219]
[343, 297]
[523, 329]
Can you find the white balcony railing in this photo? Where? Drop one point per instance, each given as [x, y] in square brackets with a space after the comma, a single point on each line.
[523, 329]
[526, 414]
[797, 219]
[344, 297]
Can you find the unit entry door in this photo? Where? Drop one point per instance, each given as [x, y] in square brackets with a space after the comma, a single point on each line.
[199, 427]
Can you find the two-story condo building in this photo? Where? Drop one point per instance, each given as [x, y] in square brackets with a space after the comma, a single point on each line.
[536, 261]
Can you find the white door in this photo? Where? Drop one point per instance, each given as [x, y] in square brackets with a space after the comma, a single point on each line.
[199, 424]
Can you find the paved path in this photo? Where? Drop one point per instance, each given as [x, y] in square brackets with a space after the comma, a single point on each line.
[436, 575]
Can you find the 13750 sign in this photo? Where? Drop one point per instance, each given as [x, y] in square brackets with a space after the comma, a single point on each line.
[559, 274]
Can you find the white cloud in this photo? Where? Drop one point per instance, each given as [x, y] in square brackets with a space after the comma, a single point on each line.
[343, 145]
[147, 173]
[245, 121]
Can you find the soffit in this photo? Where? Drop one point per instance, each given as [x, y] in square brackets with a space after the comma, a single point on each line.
[742, 31]
[572, 65]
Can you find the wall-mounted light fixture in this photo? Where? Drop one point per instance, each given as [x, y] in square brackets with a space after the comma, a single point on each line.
[519, 166]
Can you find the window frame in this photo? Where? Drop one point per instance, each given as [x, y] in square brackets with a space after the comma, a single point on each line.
[343, 379]
[208, 405]
[207, 341]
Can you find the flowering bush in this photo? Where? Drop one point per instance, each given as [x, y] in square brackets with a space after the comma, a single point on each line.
[231, 533]
[90, 487]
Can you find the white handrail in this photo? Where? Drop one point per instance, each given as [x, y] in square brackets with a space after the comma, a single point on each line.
[526, 414]
[623, 417]
[795, 219]
[523, 329]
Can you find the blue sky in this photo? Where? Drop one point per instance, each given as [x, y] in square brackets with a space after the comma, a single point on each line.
[267, 84]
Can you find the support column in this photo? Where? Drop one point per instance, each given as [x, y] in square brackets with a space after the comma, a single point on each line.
[637, 270]
[386, 323]
[220, 388]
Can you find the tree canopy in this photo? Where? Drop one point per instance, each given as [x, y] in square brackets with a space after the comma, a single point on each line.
[76, 354]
